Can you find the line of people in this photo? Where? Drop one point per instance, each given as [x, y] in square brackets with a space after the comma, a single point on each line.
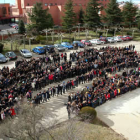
[21, 79]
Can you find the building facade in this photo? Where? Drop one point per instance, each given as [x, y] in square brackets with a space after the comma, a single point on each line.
[56, 8]
[5, 14]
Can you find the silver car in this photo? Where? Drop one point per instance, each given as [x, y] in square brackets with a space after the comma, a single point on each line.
[60, 47]
[2, 58]
[25, 53]
[110, 39]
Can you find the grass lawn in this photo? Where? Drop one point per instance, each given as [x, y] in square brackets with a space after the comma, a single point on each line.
[78, 130]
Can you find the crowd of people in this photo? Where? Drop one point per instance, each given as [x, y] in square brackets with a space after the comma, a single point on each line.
[28, 76]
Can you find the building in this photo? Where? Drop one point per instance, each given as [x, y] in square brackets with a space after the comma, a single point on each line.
[5, 14]
[56, 8]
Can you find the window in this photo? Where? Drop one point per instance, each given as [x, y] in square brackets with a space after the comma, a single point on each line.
[80, 4]
[50, 4]
[4, 11]
[46, 4]
[28, 4]
[55, 3]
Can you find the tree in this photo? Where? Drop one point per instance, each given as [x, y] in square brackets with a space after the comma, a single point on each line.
[113, 13]
[138, 19]
[69, 18]
[129, 13]
[92, 17]
[81, 16]
[40, 18]
[29, 125]
[21, 27]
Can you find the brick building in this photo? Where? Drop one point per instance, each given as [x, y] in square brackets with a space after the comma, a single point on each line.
[5, 14]
[56, 8]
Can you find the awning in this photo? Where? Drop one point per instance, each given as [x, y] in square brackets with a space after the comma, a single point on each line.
[9, 17]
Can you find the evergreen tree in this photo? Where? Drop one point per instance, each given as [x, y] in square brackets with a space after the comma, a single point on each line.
[21, 27]
[92, 17]
[113, 13]
[129, 13]
[40, 18]
[69, 18]
[138, 19]
[81, 16]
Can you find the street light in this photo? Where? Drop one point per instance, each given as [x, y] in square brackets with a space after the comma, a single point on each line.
[52, 33]
[2, 35]
[30, 42]
[106, 32]
[79, 30]
[133, 33]
[115, 32]
[86, 31]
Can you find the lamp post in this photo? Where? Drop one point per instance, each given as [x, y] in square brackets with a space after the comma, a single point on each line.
[106, 32]
[52, 33]
[133, 33]
[47, 35]
[24, 41]
[75, 35]
[115, 32]
[79, 30]
[86, 33]
[2, 36]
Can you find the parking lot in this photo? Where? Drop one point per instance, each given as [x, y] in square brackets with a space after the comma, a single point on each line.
[11, 64]
[5, 28]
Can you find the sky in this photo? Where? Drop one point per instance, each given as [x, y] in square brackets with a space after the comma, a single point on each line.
[13, 1]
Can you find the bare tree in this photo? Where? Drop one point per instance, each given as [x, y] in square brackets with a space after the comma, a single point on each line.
[29, 125]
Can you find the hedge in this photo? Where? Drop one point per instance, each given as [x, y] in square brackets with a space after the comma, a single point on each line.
[87, 113]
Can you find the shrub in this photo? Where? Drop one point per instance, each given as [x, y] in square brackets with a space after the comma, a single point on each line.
[100, 33]
[66, 40]
[88, 113]
[1, 47]
[43, 42]
[40, 37]
[128, 33]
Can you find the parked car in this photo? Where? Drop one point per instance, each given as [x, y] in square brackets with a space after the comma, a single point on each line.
[123, 38]
[86, 42]
[80, 44]
[13, 25]
[16, 27]
[110, 39]
[2, 58]
[25, 53]
[128, 37]
[67, 45]
[103, 40]
[11, 55]
[117, 39]
[39, 50]
[60, 47]
[95, 41]
[49, 48]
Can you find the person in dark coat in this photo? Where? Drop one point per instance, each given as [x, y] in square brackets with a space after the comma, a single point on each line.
[48, 94]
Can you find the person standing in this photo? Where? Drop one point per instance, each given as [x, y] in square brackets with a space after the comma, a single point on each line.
[69, 109]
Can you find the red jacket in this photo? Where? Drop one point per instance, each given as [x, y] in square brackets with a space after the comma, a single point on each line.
[72, 83]
[12, 111]
[108, 95]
